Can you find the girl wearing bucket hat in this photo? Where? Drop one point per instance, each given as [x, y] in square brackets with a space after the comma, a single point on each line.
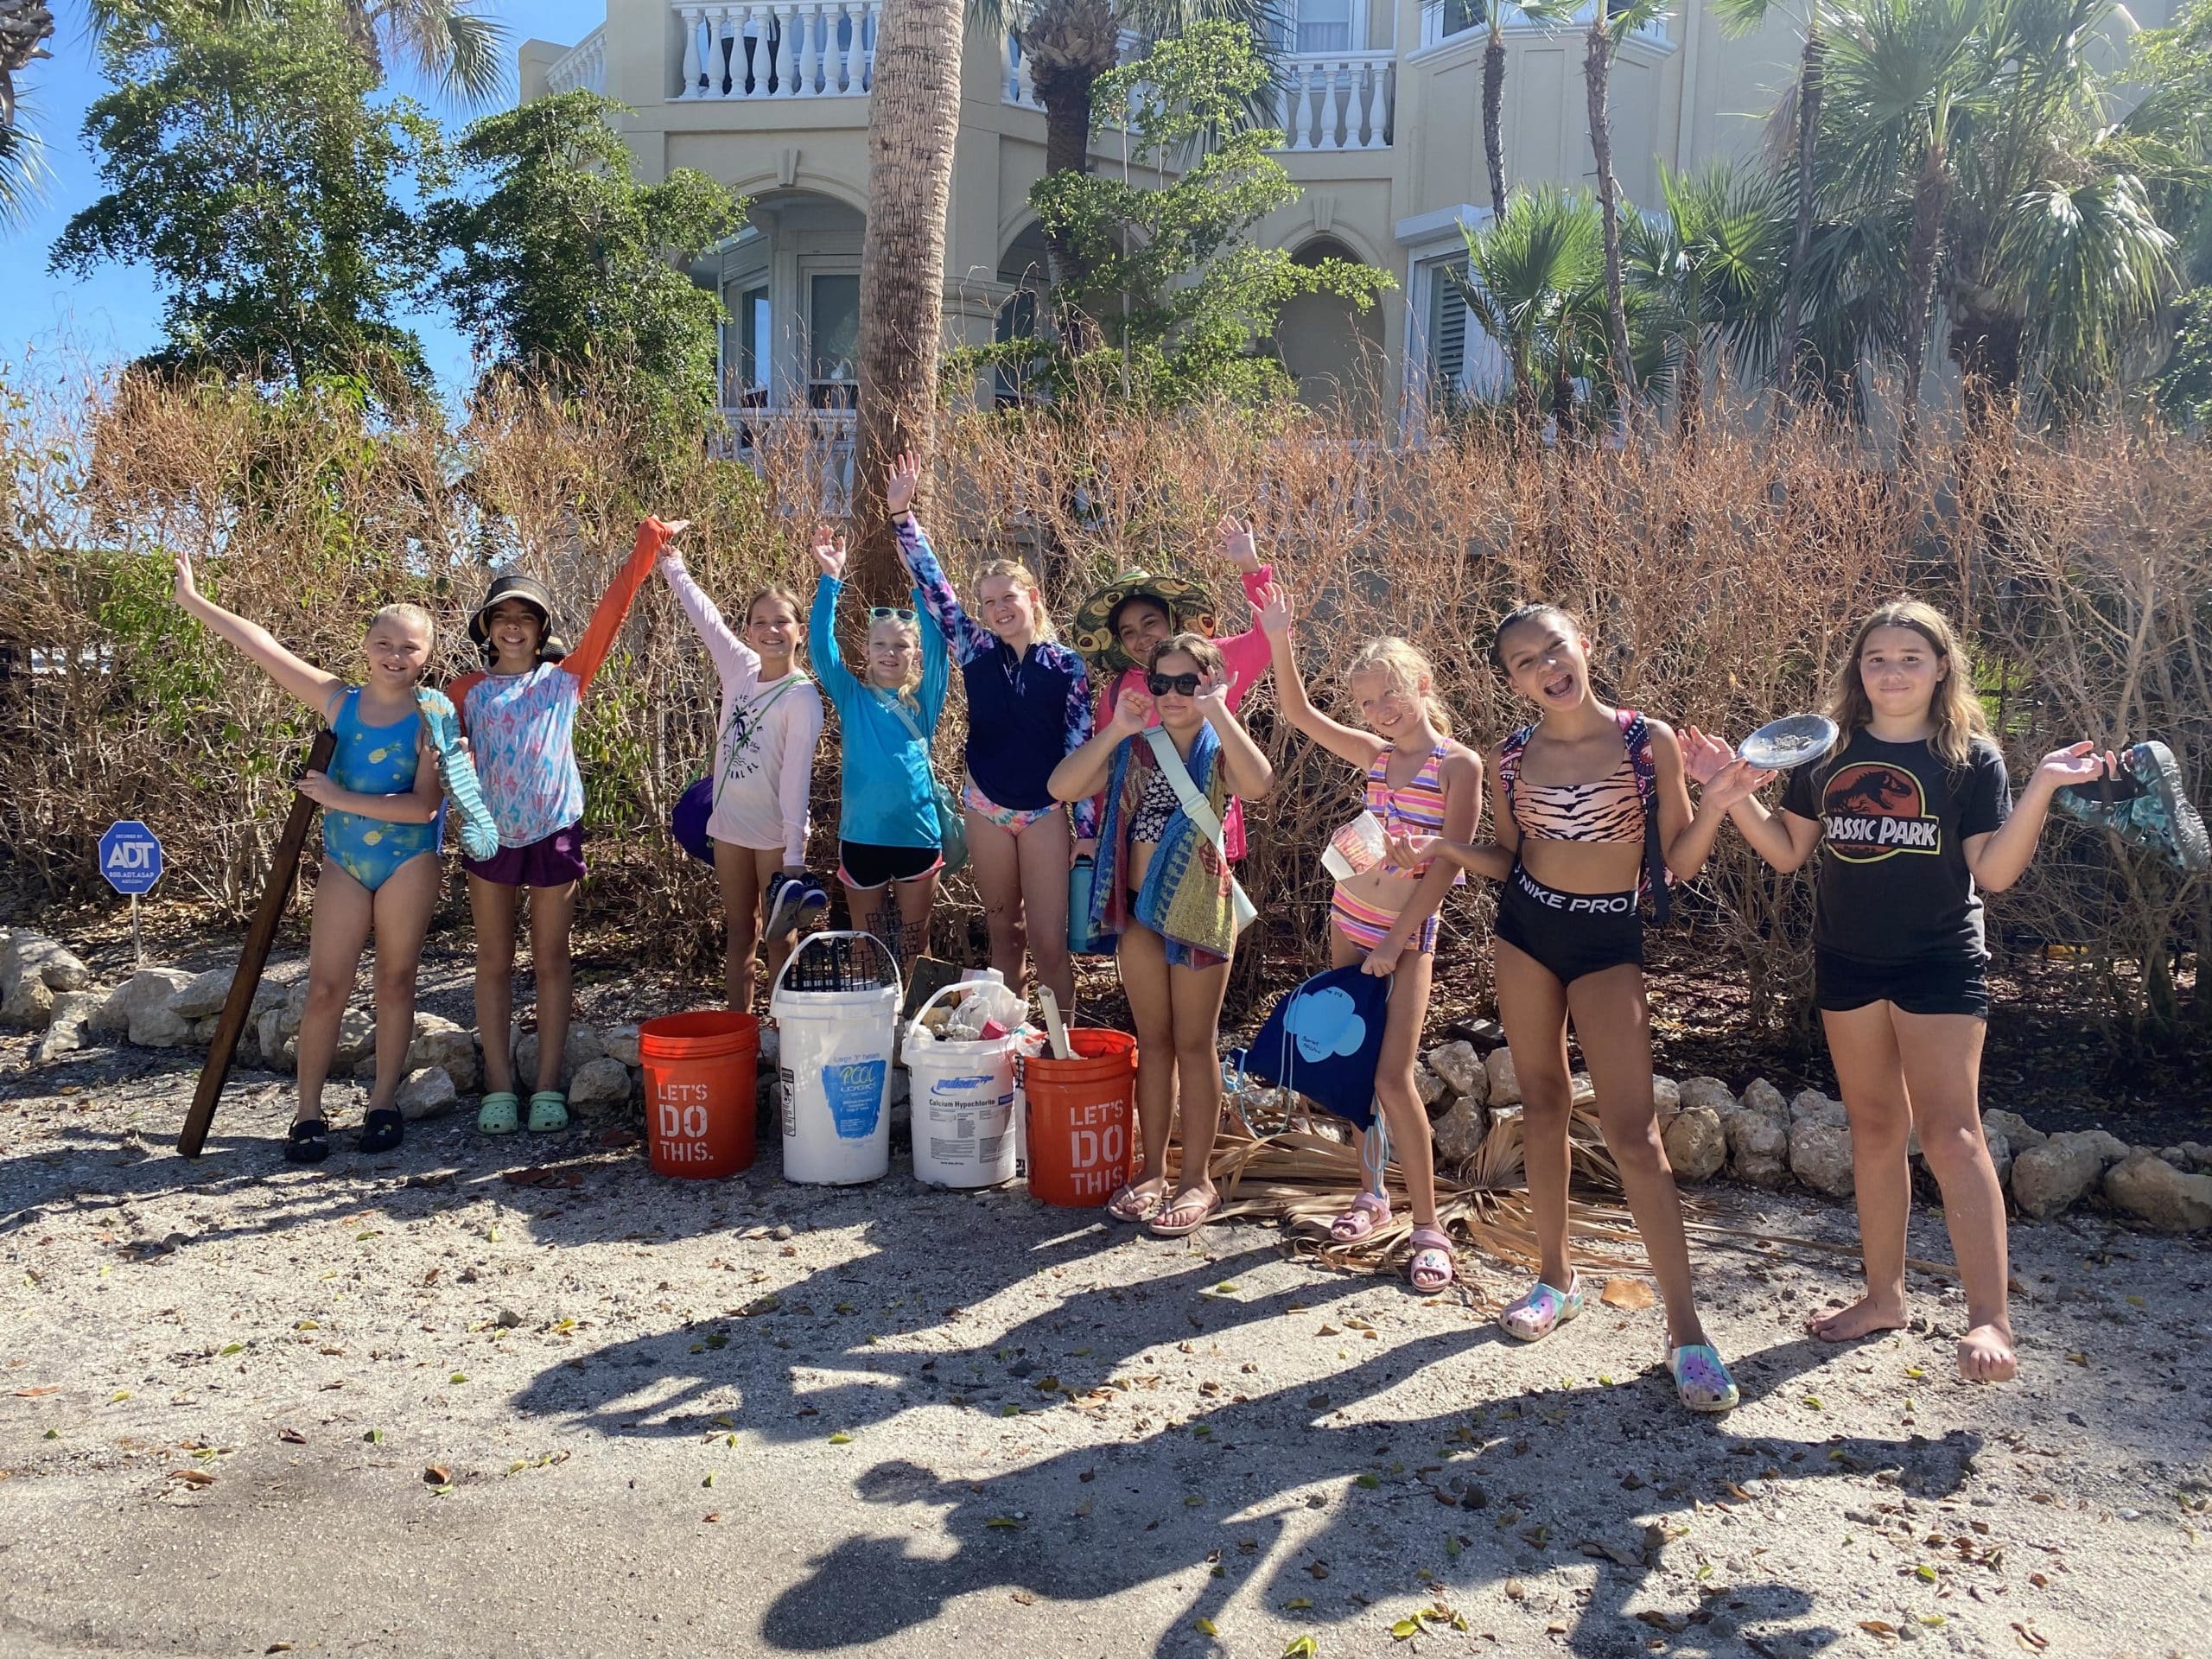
[519, 712]
[1028, 709]
[1120, 626]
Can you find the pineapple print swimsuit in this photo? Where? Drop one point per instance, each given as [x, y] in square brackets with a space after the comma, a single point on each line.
[374, 760]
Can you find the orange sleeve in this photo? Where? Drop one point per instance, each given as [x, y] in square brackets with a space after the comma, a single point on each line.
[457, 692]
[615, 604]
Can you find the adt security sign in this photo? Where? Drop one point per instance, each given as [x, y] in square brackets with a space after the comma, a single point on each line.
[130, 857]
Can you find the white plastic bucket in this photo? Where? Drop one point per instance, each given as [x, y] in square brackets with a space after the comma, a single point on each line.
[962, 1096]
[833, 1064]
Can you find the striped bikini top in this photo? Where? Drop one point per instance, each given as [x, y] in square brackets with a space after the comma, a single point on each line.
[1611, 810]
[1416, 809]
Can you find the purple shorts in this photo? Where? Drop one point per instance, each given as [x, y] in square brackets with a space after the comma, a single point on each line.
[559, 858]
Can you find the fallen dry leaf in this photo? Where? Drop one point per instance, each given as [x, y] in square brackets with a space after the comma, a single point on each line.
[616, 1140]
[291, 1436]
[34, 1394]
[1632, 1295]
[437, 1475]
[192, 1477]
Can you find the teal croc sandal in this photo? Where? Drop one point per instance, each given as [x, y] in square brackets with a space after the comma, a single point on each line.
[480, 836]
[548, 1110]
[1542, 1310]
[501, 1114]
[1701, 1381]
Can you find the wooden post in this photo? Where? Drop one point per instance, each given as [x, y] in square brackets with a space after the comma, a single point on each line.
[253, 958]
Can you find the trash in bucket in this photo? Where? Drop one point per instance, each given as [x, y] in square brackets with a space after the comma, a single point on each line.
[962, 1089]
[836, 1003]
[1082, 1119]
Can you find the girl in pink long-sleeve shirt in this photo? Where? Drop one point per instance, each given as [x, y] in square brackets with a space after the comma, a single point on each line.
[1139, 613]
[762, 769]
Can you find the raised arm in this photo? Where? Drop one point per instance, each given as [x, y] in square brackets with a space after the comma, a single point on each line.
[302, 680]
[1251, 775]
[968, 638]
[1999, 857]
[936, 673]
[1687, 835]
[615, 604]
[821, 621]
[1078, 728]
[1340, 740]
[736, 663]
[1085, 772]
[1247, 656]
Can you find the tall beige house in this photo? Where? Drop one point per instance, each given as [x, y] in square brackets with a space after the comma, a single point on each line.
[1384, 125]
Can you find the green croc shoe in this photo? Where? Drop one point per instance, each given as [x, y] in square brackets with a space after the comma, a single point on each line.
[548, 1110]
[501, 1114]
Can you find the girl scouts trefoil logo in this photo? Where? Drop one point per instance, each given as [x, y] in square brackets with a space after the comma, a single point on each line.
[1874, 810]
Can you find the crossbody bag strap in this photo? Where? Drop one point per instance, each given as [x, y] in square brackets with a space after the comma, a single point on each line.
[1636, 736]
[721, 770]
[1200, 812]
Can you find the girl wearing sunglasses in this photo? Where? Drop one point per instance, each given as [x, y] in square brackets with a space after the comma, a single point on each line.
[1163, 884]
[890, 844]
[1028, 709]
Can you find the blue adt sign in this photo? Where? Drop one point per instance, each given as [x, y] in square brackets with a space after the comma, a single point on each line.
[130, 857]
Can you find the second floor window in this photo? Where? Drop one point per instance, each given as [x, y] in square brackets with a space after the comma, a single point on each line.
[1324, 26]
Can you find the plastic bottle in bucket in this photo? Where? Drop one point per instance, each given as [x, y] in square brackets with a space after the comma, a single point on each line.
[1081, 1112]
[837, 1026]
[962, 1094]
[699, 1091]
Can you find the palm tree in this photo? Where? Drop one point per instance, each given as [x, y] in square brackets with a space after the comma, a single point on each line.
[25, 27]
[1608, 27]
[1709, 270]
[1068, 44]
[913, 118]
[1495, 15]
[1531, 274]
[447, 41]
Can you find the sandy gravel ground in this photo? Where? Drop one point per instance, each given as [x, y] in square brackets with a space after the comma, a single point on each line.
[402, 1406]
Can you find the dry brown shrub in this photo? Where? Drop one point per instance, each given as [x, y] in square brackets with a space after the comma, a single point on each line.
[1717, 583]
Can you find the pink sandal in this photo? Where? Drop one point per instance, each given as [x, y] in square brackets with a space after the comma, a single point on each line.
[1431, 1269]
[1369, 1210]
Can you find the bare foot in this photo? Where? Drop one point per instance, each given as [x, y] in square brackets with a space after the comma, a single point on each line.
[1985, 1355]
[1862, 1319]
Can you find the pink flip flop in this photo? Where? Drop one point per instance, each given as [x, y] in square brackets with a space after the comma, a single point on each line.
[1369, 1210]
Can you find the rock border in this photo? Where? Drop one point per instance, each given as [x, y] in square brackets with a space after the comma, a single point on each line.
[1754, 1136]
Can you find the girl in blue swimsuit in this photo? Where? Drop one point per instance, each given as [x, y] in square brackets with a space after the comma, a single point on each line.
[383, 809]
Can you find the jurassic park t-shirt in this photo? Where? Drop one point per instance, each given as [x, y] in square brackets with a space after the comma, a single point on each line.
[1894, 818]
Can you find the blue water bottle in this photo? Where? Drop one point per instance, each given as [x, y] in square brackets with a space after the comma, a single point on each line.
[1081, 875]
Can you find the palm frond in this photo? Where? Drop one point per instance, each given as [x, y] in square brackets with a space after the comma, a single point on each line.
[23, 172]
[450, 42]
[2091, 262]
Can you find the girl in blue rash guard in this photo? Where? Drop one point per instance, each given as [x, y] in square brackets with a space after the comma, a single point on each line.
[890, 844]
[1028, 709]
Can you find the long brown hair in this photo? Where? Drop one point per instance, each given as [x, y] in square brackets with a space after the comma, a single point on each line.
[782, 596]
[1955, 713]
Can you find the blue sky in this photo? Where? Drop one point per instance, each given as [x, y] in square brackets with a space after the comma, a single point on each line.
[116, 313]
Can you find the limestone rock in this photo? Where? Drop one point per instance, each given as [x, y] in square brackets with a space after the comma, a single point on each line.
[2048, 1178]
[65, 1032]
[2000, 1153]
[1504, 1083]
[1697, 1143]
[160, 1026]
[1666, 1099]
[1427, 1084]
[147, 989]
[2016, 1129]
[429, 1093]
[1459, 1133]
[621, 1043]
[1763, 1097]
[279, 1048]
[2147, 1187]
[2107, 1146]
[448, 1048]
[203, 1031]
[584, 1044]
[1709, 1092]
[1819, 1156]
[1811, 1103]
[602, 1082]
[1758, 1148]
[27, 1002]
[1461, 1069]
[357, 1039]
[295, 1005]
[207, 994]
[33, 956]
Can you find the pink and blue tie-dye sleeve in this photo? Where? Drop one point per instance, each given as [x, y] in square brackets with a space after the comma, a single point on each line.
[1078, 728]
[968, 639]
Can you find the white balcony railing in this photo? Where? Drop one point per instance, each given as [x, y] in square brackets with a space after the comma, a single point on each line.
[582, 68]
[819, 442]
[1444, 20]
[1339, 100]
[777, 49]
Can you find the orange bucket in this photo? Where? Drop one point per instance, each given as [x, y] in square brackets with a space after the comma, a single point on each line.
[701, 1092]
[1082, 1119]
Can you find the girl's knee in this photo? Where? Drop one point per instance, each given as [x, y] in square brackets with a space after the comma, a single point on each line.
[327, 992]
[1954, 1151]
[1879, 1121]
[1546, 1094]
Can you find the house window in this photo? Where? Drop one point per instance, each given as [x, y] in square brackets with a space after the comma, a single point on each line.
[1442, 19]
[1324, 26]
[833, 340]
[747, 348]
[1447, 333]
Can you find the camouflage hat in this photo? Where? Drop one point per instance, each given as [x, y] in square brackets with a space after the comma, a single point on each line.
[1189, 608]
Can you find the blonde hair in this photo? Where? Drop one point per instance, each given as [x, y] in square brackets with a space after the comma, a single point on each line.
[1015, 570]
[1199, 649]
[1955, 713]
[906, 687]
[401, 611]
[1405, 667]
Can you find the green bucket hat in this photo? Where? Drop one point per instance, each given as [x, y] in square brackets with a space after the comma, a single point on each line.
[1189, 608]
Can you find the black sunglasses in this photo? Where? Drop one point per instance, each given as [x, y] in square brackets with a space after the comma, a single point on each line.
[880, 613]
[1183, 685]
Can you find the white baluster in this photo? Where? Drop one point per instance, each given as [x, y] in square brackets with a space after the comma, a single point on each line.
[717, 25]
[1302, 137]
[1378, 136]
[1339, 86]
[691, 87]
[787, 76]
[836, 25]
[810, 47]
[767, 51]
[1361, 124]
[1284, 94]
[872, 17]
[825, 48]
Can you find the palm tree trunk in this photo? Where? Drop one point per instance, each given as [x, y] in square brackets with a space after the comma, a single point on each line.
[1597, 73]
[1493, 117]
[1809, 81]
[1067, 149]
[361, 30]
[913, 116]
[25, 27]
[1931, 196]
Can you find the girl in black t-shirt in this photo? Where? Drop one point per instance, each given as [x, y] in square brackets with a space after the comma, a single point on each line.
[1916, 816]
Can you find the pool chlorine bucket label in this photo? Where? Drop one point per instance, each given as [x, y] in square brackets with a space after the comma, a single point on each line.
[854, 1090]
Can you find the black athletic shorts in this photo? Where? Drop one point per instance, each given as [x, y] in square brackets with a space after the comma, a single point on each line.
[1571, 934]
[863, 864]
[1918, 985]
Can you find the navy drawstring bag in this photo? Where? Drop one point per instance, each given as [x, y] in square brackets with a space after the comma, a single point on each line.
[1325, 1040]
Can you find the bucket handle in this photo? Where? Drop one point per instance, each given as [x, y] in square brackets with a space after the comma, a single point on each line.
[897, 983]
[915, 1024]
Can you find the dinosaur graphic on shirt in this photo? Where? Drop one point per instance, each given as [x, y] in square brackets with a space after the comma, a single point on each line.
[1872, 809]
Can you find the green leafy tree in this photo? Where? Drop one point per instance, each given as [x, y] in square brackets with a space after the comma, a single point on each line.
[448, 41]
[1181, 295]
[562, 265]
[248, 171]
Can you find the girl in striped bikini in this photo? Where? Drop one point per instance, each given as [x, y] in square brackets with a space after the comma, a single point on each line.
[1419, 783]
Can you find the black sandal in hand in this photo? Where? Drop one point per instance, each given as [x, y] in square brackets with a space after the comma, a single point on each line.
[309, 1143]
[381, 1129]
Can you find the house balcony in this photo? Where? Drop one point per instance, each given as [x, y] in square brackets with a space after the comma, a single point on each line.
[582, 68]
[1338, 101]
